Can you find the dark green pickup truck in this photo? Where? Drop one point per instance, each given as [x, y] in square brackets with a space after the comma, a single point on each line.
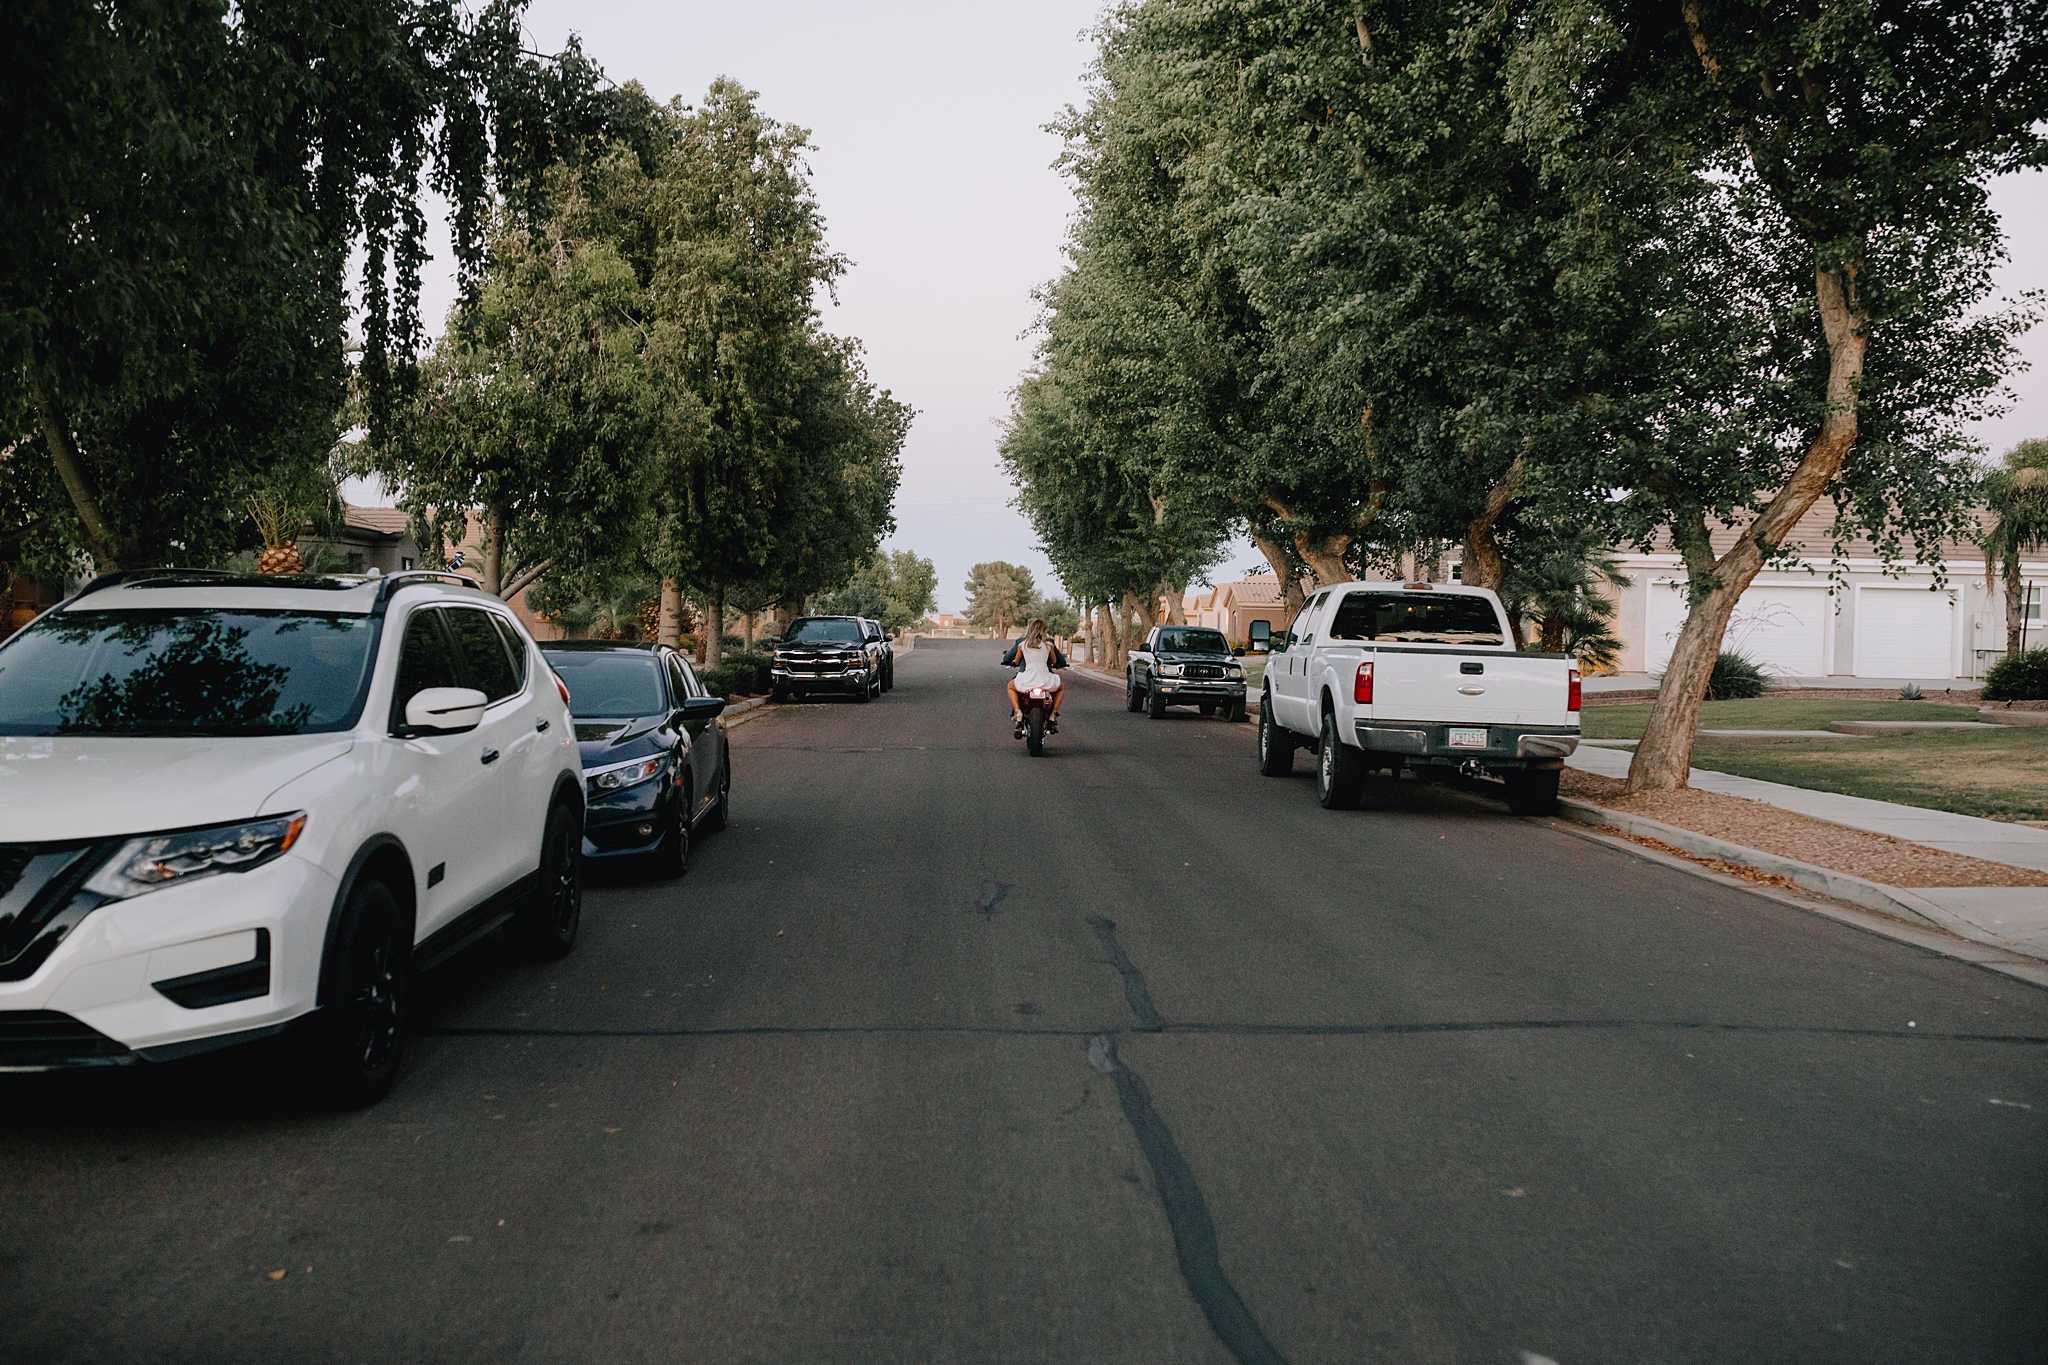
[1184, 666]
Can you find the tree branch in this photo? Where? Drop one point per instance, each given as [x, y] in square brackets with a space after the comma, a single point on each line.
[71, 469]
[523, 580]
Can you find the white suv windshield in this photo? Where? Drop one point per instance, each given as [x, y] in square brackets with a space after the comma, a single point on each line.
[185, 672]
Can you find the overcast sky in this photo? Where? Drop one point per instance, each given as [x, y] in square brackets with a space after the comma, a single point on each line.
[936, 180]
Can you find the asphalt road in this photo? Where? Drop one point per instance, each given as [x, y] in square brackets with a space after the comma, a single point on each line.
[943, 1053]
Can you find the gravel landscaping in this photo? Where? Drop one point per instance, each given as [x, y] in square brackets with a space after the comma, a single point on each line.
[1752, 824]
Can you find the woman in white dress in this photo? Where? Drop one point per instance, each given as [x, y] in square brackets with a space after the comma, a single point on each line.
[1035, 658]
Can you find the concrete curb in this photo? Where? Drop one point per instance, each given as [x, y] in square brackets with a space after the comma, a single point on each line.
[1897, 902]
[739, 712]
[1999, 716]
[2000, 959]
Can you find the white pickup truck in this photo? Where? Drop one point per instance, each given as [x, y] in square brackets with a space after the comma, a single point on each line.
[1416, 675]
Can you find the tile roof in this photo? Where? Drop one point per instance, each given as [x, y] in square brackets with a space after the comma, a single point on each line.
[388, 521]
[1260, 590]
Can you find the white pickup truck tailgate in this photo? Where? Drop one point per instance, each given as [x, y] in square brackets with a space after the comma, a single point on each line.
[1438, 684]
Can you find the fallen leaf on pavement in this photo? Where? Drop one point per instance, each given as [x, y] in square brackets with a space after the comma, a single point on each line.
[277, 1274]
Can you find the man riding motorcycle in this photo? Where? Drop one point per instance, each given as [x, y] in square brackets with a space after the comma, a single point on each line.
[1035, 657]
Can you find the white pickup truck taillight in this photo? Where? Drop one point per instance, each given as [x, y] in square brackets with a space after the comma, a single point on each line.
[1573, 704]
[1361, 686]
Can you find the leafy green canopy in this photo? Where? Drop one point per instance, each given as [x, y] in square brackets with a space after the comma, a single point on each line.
[185, 185]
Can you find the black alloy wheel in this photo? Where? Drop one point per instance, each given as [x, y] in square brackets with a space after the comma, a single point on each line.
[1155, 701]
[1276, 746]
[1134, 700]
[672, 859]
[545, 928]
[720, 813]
[1340, 769]
[354, 1041]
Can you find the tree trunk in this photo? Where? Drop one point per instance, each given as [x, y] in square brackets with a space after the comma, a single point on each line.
[1663, 760]
[714, 625]
[1325, 558]
[1484, 566]
[2015, 601]
[747, 629]
[106, 554]
[668, 629]
[1176, 603]
[494, 548]
[523, 580]
[1283, 570]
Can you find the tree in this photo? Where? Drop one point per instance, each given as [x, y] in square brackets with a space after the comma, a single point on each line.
[2018, 498]
[998, 594]
[896, 587]
[1058, 614]
[1831, 163]
[186, 183]
[537, 406]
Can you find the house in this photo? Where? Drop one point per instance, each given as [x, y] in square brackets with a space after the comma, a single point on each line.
[377, 538]
[1797, 622]
[1232, 607]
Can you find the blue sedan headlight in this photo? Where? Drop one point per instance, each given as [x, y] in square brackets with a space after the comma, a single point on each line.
[619, 776]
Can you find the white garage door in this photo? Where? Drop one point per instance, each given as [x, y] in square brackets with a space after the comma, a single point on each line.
[1904, 633]
[1783, 629]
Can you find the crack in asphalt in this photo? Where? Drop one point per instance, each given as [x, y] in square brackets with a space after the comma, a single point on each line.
[1187, 1214]
[1135, 993]
[1180, 1195]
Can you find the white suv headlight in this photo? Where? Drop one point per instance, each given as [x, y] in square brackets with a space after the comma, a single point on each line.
[156, 860]
[628, 774]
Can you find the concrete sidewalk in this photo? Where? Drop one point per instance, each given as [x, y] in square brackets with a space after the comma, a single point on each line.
[2014, 917]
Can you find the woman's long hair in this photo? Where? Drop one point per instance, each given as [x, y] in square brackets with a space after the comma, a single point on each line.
[1034, 634]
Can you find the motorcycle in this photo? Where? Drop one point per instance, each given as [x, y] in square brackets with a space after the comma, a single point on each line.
[1036, 704]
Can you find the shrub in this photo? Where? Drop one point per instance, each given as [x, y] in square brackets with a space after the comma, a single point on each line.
[2018, 677]
[739, 675]
[1912, 692]
[1735, 677]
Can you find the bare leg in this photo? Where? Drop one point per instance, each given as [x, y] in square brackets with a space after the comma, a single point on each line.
[1016, 705]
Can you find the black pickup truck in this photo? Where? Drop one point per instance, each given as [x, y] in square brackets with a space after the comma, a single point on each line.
[1184, 666]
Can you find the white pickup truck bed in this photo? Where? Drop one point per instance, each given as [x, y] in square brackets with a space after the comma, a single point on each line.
[1390, 675]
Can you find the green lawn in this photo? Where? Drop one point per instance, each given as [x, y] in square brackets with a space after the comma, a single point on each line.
[2001, 774]
[1767, 713]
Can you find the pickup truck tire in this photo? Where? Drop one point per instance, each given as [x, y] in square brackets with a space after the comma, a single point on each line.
[1237, 714]
[1276, 746]
[1155, 703]
[1134, 700]
[1340, 770]
[1533, 793]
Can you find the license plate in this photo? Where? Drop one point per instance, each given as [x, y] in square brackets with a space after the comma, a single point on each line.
[1467, 739]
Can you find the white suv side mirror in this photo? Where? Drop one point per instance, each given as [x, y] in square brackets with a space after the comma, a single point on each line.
[445, 710]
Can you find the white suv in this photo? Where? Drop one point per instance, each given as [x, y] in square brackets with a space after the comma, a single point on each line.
[231, 804]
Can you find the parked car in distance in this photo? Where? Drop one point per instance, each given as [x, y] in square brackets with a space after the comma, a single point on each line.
[826, 654]
[888, 647]
[656, 768]
[233, 808]
[1386, 676]
[1184, 666]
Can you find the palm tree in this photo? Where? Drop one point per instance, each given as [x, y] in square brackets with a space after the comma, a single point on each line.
[1559, 589]
[2018, 498]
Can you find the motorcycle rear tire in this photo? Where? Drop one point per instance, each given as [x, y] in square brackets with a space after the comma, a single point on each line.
[1034, 732]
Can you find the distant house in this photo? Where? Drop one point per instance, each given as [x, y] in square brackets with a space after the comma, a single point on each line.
[1232, 607]
[377, 538]
[1796, 623]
